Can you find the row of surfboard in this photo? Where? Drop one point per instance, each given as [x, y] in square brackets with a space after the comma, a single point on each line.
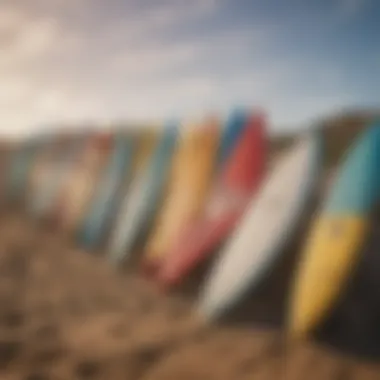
[183, 193]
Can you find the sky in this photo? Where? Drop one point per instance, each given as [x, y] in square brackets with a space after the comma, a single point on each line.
[82, 61]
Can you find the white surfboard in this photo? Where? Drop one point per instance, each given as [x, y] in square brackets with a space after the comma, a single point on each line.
[266, 226]
[140, 203]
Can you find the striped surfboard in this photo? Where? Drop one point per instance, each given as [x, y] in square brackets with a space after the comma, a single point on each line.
[337, 235]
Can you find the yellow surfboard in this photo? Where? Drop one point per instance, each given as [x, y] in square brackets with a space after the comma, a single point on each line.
[186, 193]
[337, 236]
[146, 141]
[330, 255]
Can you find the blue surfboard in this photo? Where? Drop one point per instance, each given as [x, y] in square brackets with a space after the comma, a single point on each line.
[140, 204]
[105, 200]
[230, 135]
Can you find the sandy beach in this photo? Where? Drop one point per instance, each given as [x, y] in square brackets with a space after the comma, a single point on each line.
[66, 314]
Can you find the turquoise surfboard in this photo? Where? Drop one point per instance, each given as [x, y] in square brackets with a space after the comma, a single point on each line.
[20, 164]
[356, 189]
[105, 201]
[139, 205]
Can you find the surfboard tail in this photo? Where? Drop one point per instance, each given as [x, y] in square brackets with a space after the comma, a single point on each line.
[193, 247]
[150, 267]
[322, 275]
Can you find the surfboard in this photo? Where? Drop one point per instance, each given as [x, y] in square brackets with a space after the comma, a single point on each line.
[14, 171]
[105, 200]
[337, 235]
[187, 194]
[140, 203]
[266, 226]
[20, 165]
[43, 165]
[57, 172]
[6, 150]
[238, 182]
[230, 135]
[77, 193]
[147, 139]
[36, 173]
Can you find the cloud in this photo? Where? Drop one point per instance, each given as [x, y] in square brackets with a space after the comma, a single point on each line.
[147, 59]
[13, 91]
[153, 60]
[11, 19]
[24, 38]
[172, 13]
[78, 77]
[29, 44]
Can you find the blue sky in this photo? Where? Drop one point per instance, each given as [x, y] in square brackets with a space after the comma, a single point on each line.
[84, 60]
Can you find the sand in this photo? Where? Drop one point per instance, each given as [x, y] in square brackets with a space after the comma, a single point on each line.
[66, 314]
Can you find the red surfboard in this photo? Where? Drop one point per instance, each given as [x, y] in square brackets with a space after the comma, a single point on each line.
[237, 183]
